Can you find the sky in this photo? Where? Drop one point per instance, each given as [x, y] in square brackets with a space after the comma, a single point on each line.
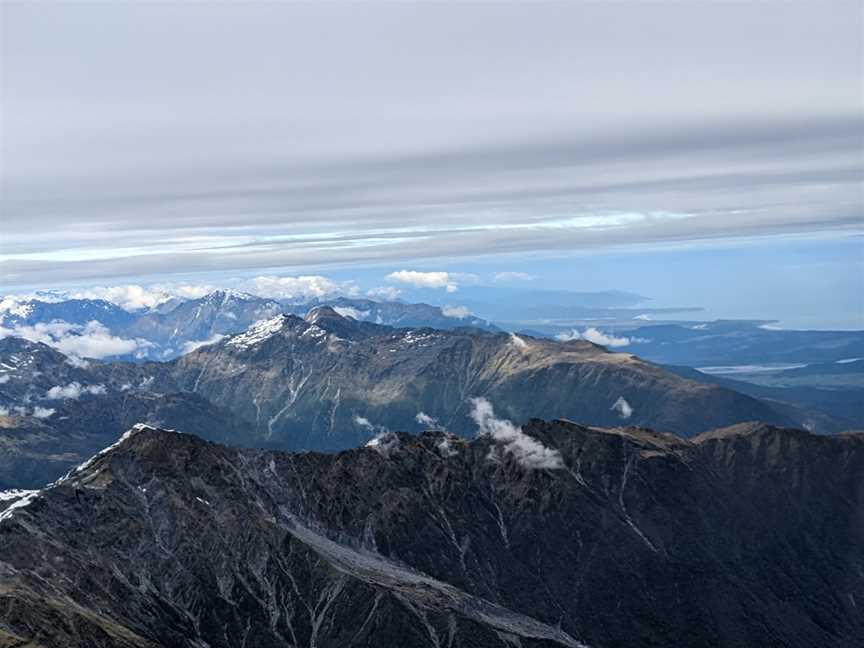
[698, 153]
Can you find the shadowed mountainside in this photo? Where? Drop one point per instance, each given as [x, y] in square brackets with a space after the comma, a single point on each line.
[750, 535]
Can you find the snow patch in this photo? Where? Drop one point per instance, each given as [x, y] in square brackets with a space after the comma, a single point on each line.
[259, 332]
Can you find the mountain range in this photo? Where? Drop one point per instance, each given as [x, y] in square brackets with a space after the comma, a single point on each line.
[180, 325]
[746, 536]
[329, 382]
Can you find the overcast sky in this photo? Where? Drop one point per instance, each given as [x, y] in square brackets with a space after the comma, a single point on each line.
[158, 141]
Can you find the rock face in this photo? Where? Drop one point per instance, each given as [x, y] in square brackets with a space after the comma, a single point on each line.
[327, 382]
[748, 536]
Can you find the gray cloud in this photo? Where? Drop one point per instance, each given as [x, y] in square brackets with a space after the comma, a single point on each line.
[606, 126]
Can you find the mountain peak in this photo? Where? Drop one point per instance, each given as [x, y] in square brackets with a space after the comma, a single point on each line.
[317, 314]
[259, 332]
[223, 295]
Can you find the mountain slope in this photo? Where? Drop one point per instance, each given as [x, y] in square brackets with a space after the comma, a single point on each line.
[327, 382]
[745, 536]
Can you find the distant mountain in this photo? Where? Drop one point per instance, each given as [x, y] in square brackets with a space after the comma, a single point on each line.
[817, 409]
[72, 311]
[198, 321]
[329, 382]
[749, 536]
[179, 326]
[398, 314]
[738, 343]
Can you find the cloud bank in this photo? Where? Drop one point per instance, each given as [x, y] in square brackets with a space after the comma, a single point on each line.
[424, 279]
[92, 340]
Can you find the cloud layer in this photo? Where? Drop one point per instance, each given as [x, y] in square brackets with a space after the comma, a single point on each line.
[125, 160]
[91, 340]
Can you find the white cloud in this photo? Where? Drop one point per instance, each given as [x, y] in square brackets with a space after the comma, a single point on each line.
[4, 411]
[444, 280]
[77, 362]
[385, 293]
[302, 288]
[598, 337]
[363, 422]
[518, 342]
[91, 340]
[4, 379]
[511, 277]
[645, 317]
[625, 411]
[529, 452]
[189, 347]
[348, 311]
[424, 419]
[42, 412]
[16, 305]
[384, 443]
[445, 447]
[74, 391]
[457, 312]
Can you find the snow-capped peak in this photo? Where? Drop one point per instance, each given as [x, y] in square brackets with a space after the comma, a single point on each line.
[259, 332]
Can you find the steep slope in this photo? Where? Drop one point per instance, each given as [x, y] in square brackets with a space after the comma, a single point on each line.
[328, 382]
[746, 536]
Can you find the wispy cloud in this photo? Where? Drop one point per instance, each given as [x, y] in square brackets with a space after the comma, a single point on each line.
[384, 293]
[512, 277]
[189, 347]
[624, 409]
[457, 312]
[424, 419]
[528, 451]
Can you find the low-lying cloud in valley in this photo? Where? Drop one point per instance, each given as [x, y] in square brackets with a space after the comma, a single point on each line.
[74, 391]
[91, 340]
